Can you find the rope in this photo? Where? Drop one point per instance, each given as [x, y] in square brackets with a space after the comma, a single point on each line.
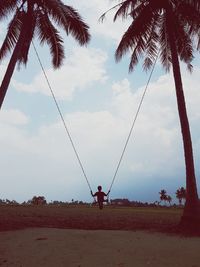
[133, 124]
[69, 135]
[62, 118]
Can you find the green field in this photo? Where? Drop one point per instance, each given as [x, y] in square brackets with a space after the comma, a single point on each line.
[89, 217]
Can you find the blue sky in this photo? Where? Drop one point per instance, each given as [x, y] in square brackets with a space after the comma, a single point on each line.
[98, 99]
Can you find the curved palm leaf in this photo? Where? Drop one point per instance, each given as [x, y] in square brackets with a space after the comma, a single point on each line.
[48, 33]
[184, 44]
[68, 18]
[165, 53]
[126, 8]
[6, 7]
[76, 26]
[151, 45]
[136, 37]
[12, 34]
[190, 13]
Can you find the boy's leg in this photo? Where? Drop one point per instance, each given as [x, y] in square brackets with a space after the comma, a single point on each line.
[100, 205]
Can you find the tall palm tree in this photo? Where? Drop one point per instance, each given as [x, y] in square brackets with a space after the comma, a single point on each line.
[167, 28]
[37, 18]
[181, 194]
[169, 199]
[178, 195]
[163, 195]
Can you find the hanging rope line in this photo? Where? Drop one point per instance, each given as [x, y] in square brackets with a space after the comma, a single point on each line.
[68, 132]
[133, 124]
[62, 118]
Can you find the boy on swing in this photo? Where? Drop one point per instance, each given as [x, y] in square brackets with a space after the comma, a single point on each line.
[100, 196]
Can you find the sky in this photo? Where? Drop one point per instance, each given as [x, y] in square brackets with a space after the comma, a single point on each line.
[98, 99]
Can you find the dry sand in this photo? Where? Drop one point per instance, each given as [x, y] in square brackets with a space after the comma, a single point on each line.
[48, 247]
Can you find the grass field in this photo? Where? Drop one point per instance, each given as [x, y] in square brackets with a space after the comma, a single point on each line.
[50, 236]
[86, 217]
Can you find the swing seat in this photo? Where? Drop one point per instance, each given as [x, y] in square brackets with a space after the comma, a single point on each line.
[106, 200]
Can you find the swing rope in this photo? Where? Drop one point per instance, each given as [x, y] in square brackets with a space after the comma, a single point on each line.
[133, 123]
[68, 132]
[62, 118]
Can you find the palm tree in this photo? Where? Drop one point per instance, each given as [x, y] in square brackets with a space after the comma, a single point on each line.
[169, 199]
[35, 18]
[166, 28]
[181, 194]
[163, 195]
[178, 195]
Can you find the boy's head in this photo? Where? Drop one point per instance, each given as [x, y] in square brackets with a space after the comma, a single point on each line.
[99, 188]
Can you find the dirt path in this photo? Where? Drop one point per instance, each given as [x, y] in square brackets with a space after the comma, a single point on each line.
[45, 247]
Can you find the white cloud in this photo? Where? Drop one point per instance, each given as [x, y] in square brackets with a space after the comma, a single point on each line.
[82, 69]
[92, 10]
[2, 70]
[191, 86]
[44, 163]
[3, 30]
[14, 117]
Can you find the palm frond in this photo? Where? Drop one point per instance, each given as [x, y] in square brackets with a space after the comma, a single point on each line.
[165, 54]
[194, 3]
[183, 40]
[126, 8]
[54, 8]
[48, 34]
[76, 26]
[6, 7]
[151, 45]
[148, 63]
[188, 12]
[12, 35]
[190, 15]
[102, 17]
[139, 29]
[198, 40]
[137, 10]
[137, 53]
[69, 19]
[190, 67]
[185, 49]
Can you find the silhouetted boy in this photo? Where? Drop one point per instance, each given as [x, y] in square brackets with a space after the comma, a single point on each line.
[100, 196]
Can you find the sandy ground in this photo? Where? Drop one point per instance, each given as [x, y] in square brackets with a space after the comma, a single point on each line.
[48, 247]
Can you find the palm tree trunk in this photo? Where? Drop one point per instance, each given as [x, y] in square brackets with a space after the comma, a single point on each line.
[9, 71]
[14, 58]
[191, 213]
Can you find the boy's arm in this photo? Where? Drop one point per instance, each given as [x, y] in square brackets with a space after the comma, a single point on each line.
[107, 193]
[94, 195]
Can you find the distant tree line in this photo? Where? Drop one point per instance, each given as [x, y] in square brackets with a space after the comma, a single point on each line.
[164, 197]
[180, 195]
